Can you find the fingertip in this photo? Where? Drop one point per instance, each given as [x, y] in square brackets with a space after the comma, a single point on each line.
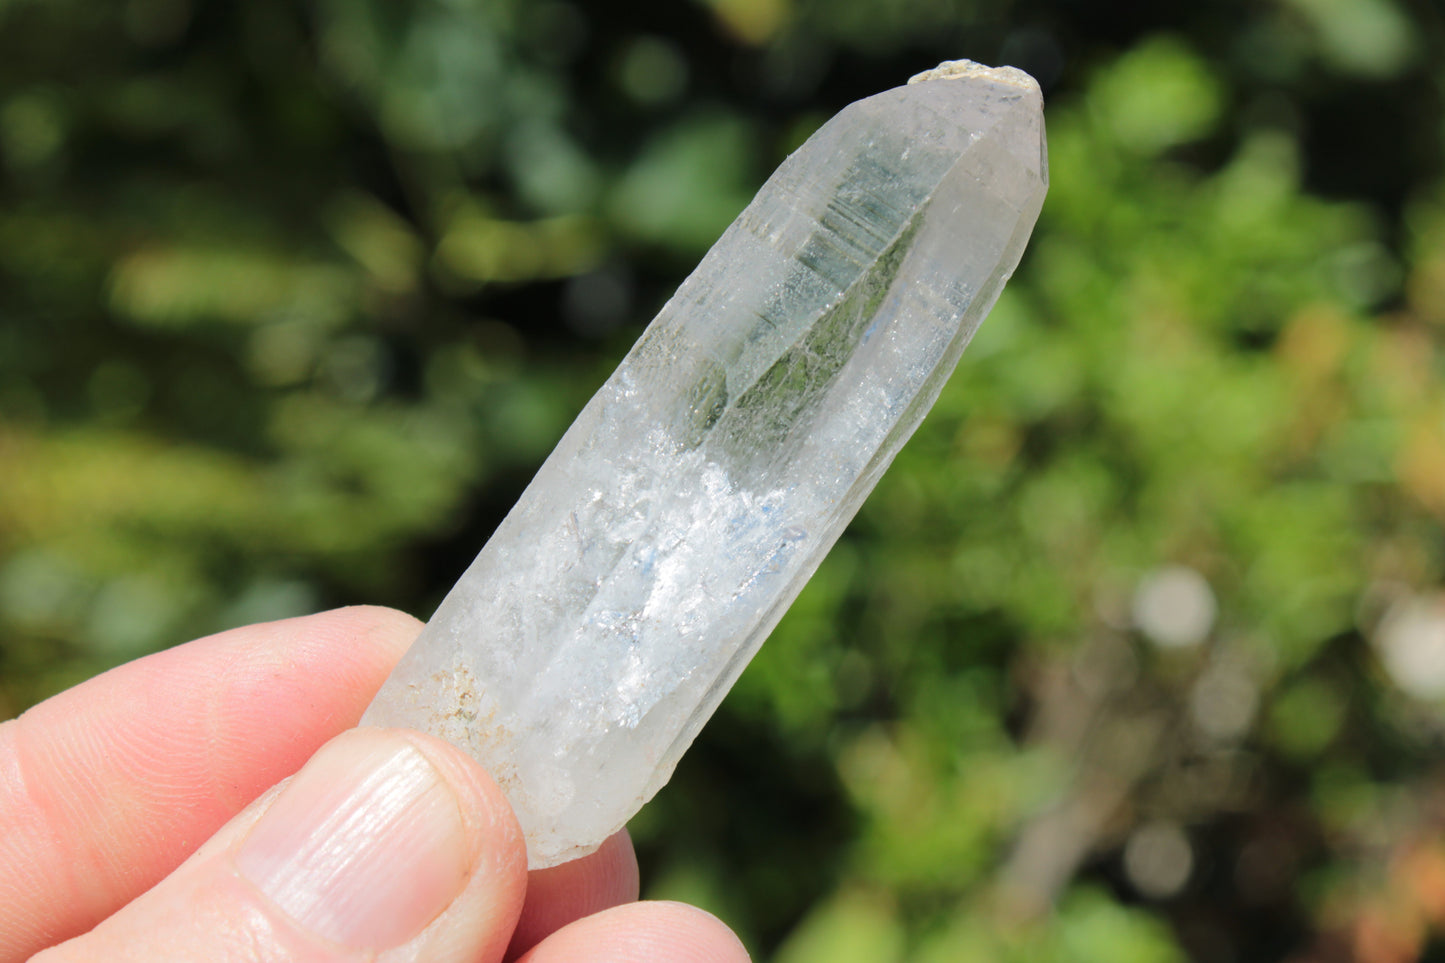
[379, 635]
[693, 934]
[293, 683]
[391, 629]
[562, 894]
[657, 931]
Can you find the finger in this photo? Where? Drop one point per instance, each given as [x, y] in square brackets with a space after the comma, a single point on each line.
[652, 932]
[388, 845]
[562, 894]
[109, 786]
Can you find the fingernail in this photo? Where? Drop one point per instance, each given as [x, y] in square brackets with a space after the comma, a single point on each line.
[365, 847]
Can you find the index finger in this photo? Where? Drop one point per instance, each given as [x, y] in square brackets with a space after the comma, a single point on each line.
[109, 786]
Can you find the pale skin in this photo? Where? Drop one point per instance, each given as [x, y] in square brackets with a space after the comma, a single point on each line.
[214, 802]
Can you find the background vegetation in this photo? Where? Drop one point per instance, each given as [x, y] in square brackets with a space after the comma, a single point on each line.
[1137, 655]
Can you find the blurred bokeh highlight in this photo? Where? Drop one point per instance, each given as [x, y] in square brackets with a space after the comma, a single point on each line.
[1137, 655]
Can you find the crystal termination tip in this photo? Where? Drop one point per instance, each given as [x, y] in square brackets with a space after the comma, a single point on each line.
[968, 70]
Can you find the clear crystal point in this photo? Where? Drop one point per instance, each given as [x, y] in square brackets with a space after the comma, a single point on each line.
[682, 512]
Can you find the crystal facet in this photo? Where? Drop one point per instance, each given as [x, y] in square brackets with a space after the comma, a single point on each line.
[683, 511]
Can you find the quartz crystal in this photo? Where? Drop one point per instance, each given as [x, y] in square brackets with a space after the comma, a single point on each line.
[682, 512]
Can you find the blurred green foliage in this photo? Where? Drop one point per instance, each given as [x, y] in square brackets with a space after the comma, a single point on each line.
[1137, 654]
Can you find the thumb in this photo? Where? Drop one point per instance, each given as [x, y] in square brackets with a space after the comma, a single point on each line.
[387, 844]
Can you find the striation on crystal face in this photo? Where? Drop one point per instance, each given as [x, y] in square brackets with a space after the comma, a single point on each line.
[683, 511]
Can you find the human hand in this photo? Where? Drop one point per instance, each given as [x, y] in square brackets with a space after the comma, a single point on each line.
[140, 819]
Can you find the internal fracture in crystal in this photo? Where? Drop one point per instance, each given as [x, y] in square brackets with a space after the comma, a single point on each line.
[677, 519]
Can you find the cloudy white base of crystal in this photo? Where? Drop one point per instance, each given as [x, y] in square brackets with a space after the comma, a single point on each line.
[683, 511]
